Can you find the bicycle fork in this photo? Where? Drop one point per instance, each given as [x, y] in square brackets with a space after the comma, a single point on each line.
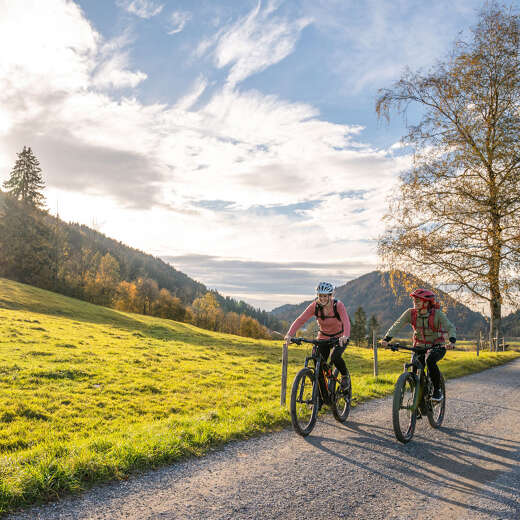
[419, 387]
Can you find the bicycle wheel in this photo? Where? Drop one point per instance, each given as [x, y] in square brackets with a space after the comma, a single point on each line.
[340, 398]
[404, 416]
[436, 409]
[304, 402]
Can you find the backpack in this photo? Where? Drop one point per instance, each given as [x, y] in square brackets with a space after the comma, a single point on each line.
[431, 324]
[319, 309]
[318, 312]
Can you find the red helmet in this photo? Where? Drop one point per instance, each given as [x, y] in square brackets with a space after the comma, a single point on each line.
[423, 294]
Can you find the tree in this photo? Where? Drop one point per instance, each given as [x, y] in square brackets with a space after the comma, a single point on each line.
[252, 328]
[26, 252]
[107, 279]
[147, 293]
[126, 297]
[205, 311]
[25, 182]
[231, 323]
[168, 306]
[455, 219]
[373, 327]
[358, 330]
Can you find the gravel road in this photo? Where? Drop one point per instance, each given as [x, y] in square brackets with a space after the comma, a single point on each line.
[469, 469]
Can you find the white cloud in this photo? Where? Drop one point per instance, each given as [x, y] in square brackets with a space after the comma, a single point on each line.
[187, 101]
[256, 41]
[113, 69]
[372, 41]
[177, 21]
[114, 73]
[34, 49]
[141, 8]
[143, 167]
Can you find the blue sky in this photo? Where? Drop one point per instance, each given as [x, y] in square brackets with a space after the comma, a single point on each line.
[236, 139]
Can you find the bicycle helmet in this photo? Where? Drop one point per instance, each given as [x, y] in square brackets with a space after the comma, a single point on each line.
[324, 288]
[423, 294]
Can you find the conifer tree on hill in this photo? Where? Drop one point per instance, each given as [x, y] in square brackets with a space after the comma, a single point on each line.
[358, 330]
[25, 182]
[373, 327]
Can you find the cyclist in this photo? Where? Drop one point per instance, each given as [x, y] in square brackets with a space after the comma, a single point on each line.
[429, 325]
[333, 322]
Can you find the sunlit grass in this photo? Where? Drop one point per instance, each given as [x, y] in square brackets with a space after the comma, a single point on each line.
[90, 394]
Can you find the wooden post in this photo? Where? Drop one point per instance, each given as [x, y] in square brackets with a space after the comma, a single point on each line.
[285, 357]
[503, 344]
[374, 346]
[479, 342]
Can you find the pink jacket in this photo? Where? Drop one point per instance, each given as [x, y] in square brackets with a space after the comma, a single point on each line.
[329, 325]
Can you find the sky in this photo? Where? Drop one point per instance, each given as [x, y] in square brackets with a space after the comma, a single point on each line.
[235, 139]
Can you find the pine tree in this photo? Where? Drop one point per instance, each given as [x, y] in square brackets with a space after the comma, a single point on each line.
[373, 326]
[359, 327]
[26, 252]
[26, 182]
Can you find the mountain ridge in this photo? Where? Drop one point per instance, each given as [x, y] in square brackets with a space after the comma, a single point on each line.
[373, 292]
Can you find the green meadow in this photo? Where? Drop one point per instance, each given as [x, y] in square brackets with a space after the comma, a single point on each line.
[90, 394]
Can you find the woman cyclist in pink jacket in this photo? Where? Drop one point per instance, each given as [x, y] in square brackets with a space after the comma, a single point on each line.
[333, 322]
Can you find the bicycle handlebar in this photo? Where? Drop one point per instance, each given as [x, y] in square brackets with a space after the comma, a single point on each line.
[299, 341]
[419, 350]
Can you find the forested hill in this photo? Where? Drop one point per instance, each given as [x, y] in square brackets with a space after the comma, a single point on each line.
[372, 291]
[89, 246]
[511, 324]
[75, 260]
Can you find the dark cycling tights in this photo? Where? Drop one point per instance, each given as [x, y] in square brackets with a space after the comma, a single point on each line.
[335, 356]
[434, 355]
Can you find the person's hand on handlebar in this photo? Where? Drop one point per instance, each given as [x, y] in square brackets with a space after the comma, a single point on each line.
[383, 343]
[343, 341]
[287, 339]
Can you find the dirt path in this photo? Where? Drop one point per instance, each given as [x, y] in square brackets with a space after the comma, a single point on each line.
[470, 469]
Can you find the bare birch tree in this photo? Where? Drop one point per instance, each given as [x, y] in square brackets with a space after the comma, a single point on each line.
[455, 219]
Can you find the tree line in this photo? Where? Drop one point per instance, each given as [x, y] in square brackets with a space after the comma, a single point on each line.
[41, 250]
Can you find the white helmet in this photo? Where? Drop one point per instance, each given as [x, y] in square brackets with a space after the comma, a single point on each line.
[324, 288]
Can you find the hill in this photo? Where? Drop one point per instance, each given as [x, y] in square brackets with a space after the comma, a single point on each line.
[75, 260]
[373, 292]
[511, 324]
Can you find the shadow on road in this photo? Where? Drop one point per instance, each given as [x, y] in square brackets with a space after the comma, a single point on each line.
[457, 464]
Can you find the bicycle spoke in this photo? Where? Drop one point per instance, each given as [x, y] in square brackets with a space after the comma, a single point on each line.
[404, 415]
[303, 402]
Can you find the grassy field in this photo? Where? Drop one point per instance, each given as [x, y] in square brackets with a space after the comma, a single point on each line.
[90, 394]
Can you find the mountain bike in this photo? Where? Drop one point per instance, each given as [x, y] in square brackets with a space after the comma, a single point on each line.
[413, 395]
[316, 384]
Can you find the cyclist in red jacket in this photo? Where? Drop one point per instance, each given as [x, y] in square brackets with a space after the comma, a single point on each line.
[333, 321]
[430, 326]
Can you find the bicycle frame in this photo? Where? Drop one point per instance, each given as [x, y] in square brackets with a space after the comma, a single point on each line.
[418, 369]
[323, 371]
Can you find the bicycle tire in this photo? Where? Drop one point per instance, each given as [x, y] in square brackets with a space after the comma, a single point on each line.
[304, 404]
[436, 409]
[404, 419]
[340, 400]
